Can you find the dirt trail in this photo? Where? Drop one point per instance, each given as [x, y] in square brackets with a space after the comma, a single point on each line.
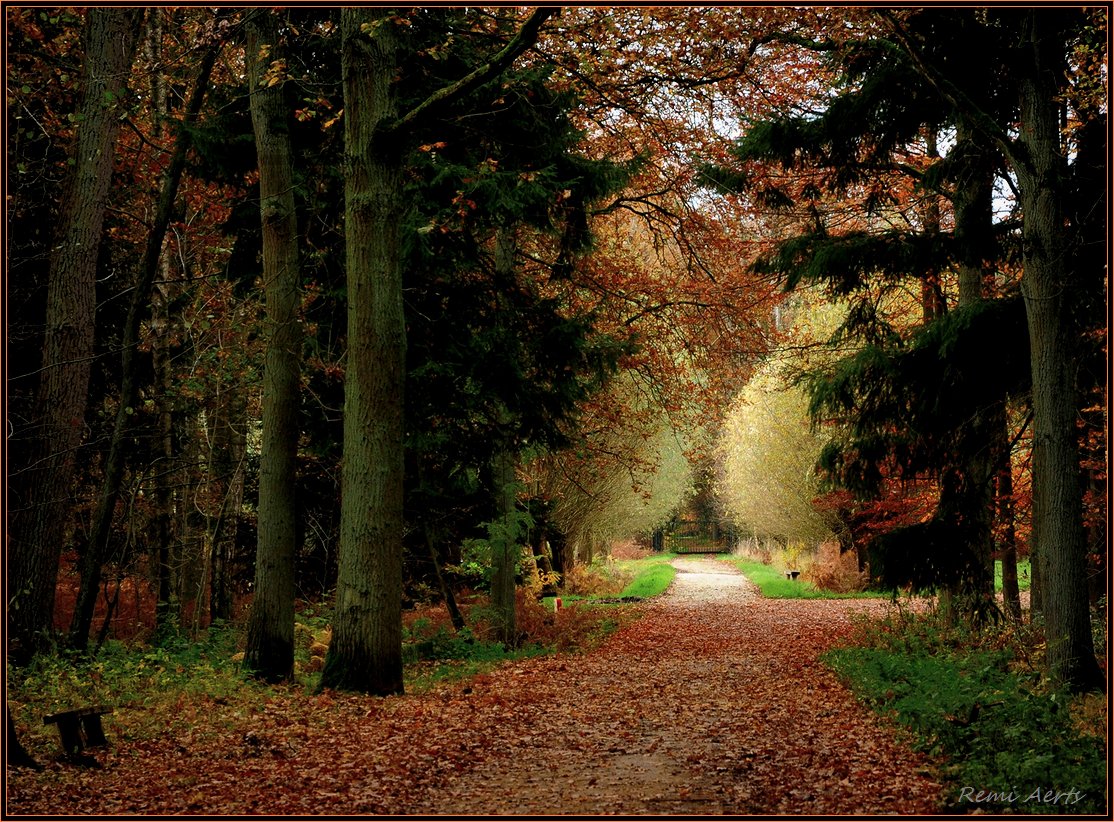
[714, 702]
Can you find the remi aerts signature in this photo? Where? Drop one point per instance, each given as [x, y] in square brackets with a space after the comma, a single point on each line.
[1039, 795]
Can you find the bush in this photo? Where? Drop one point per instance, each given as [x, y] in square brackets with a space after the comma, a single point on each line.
[575, 626]
[835, 570]
[601, 578]
[150, 688]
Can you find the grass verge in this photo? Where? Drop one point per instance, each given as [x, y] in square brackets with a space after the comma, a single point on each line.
[774, 584]
[1005, 743]
[652, 576]
[609, 579]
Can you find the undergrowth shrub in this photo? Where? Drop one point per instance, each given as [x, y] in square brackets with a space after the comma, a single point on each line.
[835, 570]
[764, 551]
[576, 626]
[600, 578]
[836, 578]
[631, 549]
[148, 687]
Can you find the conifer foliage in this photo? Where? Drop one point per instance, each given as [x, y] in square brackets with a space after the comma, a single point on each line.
[362, 304]
[925, 401]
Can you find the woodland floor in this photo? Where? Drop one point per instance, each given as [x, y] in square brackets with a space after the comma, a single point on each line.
[714, 702]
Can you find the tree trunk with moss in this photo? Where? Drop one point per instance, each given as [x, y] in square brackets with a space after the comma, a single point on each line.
[270, 644]
[366, 649]
[1058, 532]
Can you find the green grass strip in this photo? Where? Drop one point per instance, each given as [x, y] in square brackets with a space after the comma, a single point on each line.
[774, 584]
[1024, 574]
[650, 580]
[1006, 746]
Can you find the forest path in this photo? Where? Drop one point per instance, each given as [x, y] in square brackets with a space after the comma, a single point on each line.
[712, 702]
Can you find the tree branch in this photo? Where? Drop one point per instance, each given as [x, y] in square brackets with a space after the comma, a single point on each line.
[955, 96]
[439, 99]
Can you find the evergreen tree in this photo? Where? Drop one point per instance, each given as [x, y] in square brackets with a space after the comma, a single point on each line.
[882, 114]
[1035, 51]
[963, 71]
[499, 361]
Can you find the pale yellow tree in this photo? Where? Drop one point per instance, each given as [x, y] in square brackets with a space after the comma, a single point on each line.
[628, 475]
[768, 446]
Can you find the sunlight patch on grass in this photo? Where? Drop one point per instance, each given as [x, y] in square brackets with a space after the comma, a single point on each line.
[1024, 574]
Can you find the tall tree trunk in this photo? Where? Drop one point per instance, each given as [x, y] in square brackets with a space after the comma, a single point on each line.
[1057, 496]
[559, 555]
[1036, 584]
[97, 551]
[544, 563]
[40, 493]
[974, 238]
[270, 645]
[933, 305]
[226, 462]
[455, 616]
[188, 550]
[505, 548]
[162, 525]
[366, 650]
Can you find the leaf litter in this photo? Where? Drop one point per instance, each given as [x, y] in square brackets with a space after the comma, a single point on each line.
[713, 702]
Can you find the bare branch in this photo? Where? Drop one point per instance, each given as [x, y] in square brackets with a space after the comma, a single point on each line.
[524, 39]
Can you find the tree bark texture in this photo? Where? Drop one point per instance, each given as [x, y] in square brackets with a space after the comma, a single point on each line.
[544, 563]
[96, 553]
[504, 547]
[1011, 590]
[1046, 285]
[41, 491]
[933, 305]
[366, 650]
[163, 532]
[973, 233]
[162, 525]
[270, 644]
[455, 616]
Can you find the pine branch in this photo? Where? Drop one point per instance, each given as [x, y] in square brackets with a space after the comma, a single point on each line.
[955, 96]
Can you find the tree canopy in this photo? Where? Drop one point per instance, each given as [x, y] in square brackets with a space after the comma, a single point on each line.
[308, 302]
